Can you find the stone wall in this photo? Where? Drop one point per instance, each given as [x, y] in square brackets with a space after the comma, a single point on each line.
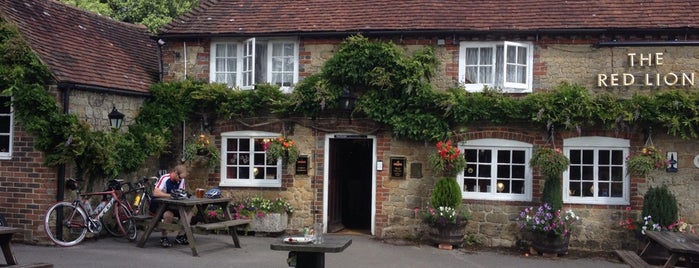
[556, 60]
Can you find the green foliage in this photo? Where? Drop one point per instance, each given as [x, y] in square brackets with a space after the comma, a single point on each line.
[446, 193]
[552, 192]
[661, 205]
[152, 14]
[646, 160]
[550, 162]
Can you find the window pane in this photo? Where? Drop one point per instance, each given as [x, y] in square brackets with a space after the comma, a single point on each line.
[5, 103]
[261, 62]
[617, 157]
[588, 157]
[5, 124]
[4, 143]
[604, 157]
[472, 56]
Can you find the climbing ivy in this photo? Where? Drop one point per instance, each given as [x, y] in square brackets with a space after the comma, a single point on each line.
[393, 88]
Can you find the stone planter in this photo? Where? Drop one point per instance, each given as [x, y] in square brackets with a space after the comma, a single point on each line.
[451, 234]
[270, 223]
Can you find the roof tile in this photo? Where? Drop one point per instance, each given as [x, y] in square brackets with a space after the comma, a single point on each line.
[85, 48]
[245, 17]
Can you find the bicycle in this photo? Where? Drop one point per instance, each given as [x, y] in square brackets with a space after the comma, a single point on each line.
[67, 223]
[138, 195]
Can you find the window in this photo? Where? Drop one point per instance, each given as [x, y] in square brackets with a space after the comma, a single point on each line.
[496, 169]
[5, 128]
[254, 61]
[244, 161]
[504, 65]
[597, 172]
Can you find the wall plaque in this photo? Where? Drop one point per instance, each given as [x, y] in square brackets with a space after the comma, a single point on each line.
[302, 165]
[398, 167]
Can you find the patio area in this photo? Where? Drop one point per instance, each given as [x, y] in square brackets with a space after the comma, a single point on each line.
[215, 251]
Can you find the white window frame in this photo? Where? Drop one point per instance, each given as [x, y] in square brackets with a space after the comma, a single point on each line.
[7, 153]
[251, 181]
[597, 143]
[246, 61]
[508, 86]
[499, 144]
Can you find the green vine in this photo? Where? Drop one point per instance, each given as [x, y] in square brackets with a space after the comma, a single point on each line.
[393, 89]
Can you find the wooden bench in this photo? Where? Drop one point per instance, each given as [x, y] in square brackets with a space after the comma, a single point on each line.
[230, 225]
[631, 258]
[32, 265]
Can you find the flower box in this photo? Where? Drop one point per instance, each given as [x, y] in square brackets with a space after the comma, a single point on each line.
[269, 223]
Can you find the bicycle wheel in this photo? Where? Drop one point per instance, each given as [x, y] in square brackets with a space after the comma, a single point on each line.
[110, 224]
[65, 224]
[127, 225]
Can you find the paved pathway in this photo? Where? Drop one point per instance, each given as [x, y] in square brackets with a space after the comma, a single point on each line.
[215, 251]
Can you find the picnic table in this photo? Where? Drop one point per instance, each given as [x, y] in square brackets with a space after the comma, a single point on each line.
[5, 239]
[679, 245]
[184, 206]
[6, 234]
[313, 255]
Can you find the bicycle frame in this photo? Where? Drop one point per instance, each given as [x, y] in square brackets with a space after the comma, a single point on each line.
[94, 218]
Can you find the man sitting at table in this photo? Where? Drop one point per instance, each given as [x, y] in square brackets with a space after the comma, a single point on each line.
[167, 184]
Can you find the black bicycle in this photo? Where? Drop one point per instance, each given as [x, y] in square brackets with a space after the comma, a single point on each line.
[137, 197]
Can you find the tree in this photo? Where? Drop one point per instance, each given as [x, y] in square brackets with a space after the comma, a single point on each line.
[151, 13]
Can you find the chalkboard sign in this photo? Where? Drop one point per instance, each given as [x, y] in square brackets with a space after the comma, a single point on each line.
[398, 167]
[302, 165]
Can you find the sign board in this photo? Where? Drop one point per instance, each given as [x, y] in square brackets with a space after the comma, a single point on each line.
[302, 165]
[398, 167]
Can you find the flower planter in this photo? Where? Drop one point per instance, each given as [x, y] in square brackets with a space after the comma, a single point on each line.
[451, 233]
[270, 223]
[550, 244]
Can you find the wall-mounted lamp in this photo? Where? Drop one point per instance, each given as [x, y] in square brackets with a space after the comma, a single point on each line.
[115, 118]
[347, 102]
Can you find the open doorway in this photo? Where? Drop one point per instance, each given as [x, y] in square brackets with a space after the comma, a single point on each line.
[349, 181]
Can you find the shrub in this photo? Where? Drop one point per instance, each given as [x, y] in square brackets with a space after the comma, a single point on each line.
[446, 193]
[552, 193]
[661, 205]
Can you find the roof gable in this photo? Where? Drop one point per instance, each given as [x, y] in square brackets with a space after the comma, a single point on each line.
[84, 48]
[241, 17]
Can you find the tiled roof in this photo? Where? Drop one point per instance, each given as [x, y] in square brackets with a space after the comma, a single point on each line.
[84, 48]
[240, 17]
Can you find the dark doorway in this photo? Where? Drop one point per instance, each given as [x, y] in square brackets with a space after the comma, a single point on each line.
[349, 183]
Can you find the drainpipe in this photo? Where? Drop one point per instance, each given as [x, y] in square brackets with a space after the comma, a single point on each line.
[161, 43]
[61, 175]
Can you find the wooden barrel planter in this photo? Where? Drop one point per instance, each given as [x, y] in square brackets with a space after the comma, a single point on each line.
[450, 233]
[550, 244]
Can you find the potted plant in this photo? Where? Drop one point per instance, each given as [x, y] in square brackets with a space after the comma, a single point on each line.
[444, 215]
[283, 148]
[551, 228]
[202, 149]
[551, 163]
[646, 160]
[267, 215]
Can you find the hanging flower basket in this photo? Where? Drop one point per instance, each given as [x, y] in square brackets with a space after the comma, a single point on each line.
[448, 159]
[649, 158]
[283, 148]
[202, 151]
[550, 162]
